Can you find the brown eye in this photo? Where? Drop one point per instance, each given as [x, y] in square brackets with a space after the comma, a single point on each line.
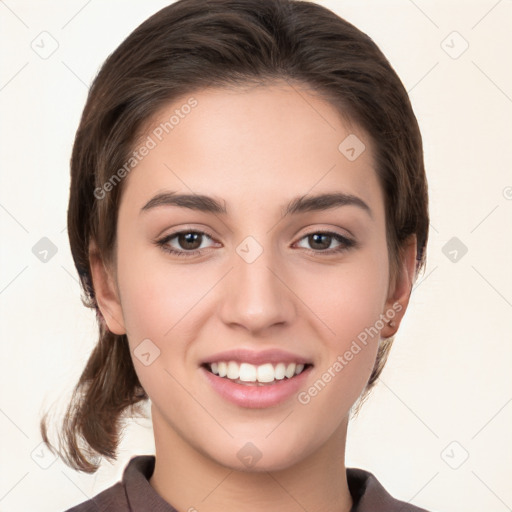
[189, 240]
[184, 243]
[320, 242]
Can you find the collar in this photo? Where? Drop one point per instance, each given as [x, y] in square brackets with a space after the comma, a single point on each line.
[367, 492]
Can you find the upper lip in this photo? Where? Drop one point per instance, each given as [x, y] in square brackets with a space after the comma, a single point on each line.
[242, 355]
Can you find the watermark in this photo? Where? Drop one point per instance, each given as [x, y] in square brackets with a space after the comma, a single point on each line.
[454, 249]
[45, 45]
[304, 397]
[454, 45]
[146, 352]
[43, 457]
[352, 147]
[144, 149]
[44, 249]
[455, 455]
[249, 454]
[249, 249]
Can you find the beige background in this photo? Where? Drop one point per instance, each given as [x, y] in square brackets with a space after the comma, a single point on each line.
[446, 392]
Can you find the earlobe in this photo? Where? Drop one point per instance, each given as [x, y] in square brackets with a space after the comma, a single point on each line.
[106, 292]
[398, 300]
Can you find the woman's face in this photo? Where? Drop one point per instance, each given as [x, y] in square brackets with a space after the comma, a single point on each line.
[307, 287]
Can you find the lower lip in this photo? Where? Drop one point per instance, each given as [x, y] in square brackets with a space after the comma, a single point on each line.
[256, 397]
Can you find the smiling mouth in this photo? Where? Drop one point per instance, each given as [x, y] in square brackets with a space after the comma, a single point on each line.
[256, 375]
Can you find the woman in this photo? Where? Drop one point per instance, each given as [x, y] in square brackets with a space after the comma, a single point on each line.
[248, 213]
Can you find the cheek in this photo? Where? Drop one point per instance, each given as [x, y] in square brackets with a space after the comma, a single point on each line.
[155, 309]
[352, 316]
[351, 308]
[162, 305]
[156, 296]
[349, 298]
[349, 301]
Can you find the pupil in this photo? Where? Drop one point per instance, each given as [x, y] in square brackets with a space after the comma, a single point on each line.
[315, 238]
[190, 238]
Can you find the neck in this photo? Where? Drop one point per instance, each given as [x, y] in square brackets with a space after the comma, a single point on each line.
[190, 480]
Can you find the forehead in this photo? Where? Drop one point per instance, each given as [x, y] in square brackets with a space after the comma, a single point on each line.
[254, 144]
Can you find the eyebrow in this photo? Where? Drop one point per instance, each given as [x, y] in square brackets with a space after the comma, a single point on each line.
[301, 204]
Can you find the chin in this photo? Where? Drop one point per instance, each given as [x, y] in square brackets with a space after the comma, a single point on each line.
[259, 455]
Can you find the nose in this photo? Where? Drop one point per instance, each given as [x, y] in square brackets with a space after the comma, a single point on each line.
[256, 295]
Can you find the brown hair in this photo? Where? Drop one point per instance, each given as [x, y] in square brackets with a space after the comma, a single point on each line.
[191, 45]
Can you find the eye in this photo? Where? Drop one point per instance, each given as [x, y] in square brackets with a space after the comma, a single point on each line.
[189, 242]
[321, 240]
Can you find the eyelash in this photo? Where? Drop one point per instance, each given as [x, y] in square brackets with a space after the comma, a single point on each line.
[345, 243]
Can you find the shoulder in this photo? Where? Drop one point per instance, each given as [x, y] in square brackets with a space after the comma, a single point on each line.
[369, 495]
[133, 492]
[112, 499]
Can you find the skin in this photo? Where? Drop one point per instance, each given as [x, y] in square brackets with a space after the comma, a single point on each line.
[254, 149]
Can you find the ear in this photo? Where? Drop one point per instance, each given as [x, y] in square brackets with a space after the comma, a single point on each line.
[106, 292]
[400, 291]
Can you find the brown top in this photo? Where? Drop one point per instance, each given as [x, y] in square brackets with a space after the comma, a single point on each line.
[135, 494]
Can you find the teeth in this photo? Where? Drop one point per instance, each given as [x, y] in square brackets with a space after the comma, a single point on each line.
[233, 370]
[280, 371]
[223, 369]
[290, 370]
[247, 372]
[263, 373]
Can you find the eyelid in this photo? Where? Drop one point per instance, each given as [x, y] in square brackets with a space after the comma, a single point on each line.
[326, 228]
[162, 241]
[345, 243]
